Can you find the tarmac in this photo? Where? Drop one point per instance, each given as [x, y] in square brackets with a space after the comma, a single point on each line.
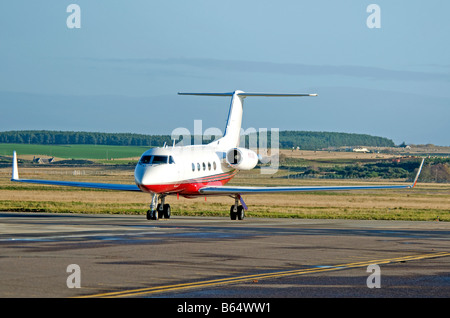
[46, 255]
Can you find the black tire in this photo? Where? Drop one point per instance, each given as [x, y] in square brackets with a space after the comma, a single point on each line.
[233, 214]
[160, 212]
[152, 215]
[166, 211]
[241, 212]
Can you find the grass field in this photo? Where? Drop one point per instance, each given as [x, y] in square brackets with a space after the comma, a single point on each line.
[427, 202]
[99, 152]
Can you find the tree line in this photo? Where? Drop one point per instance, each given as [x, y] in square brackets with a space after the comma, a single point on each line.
[312, 140]
[305, 140]
[45, 137]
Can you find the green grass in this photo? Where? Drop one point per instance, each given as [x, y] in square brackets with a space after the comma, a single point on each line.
[71, 207]
[222, 210]
[96, 152]
[426, 203]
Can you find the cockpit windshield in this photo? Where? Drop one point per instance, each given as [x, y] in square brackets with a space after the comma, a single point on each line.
[145, 159]
[156, 160]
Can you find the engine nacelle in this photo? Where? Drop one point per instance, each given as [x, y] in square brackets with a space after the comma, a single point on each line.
[242, 158]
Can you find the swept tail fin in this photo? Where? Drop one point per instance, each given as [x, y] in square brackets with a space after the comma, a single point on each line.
[231, 136]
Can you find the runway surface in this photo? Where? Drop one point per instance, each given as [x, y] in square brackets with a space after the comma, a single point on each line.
[210, 257]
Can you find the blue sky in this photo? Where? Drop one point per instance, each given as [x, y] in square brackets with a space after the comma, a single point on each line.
[121, 71]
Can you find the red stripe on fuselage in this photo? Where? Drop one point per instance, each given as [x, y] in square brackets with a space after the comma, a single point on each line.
[189, 187]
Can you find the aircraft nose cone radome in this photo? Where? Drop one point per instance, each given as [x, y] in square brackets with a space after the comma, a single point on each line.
[139, 175]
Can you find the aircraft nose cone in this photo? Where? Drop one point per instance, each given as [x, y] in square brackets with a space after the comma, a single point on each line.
[139, 175]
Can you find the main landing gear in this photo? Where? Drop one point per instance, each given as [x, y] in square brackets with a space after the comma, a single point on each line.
[162, 210]
[236, 210]
[158, 210]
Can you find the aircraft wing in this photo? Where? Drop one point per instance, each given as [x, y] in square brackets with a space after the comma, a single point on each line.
[105, 186]
[233, 190]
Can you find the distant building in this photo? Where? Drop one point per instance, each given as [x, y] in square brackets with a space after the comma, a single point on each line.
[360, 150]
[43, 160]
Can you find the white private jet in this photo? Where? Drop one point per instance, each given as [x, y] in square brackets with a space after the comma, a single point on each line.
[201, 170]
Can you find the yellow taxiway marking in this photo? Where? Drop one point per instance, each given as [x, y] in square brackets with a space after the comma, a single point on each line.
[237, 279]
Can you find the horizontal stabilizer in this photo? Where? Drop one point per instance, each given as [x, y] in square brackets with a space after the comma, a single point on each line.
[245, 94]
[207, 94]
[275, 94]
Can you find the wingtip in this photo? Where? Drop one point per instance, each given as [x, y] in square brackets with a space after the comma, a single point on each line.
[418, 173]
[15, 170]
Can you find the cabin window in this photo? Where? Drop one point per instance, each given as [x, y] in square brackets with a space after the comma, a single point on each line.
[198, 166]
[214, 165]
[193, 167]
[209, 165]
[204, 167]
[171, 161]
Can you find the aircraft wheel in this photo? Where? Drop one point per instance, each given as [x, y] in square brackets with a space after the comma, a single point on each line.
[166, 211]
[233, 214]
[152, 215]
[160, 211]
[241, 212]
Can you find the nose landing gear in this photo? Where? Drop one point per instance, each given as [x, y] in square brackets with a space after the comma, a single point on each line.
[158, 210]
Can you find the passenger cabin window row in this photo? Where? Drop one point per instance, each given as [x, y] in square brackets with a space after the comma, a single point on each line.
[203, 165]
[156, 160]
[159, 160]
